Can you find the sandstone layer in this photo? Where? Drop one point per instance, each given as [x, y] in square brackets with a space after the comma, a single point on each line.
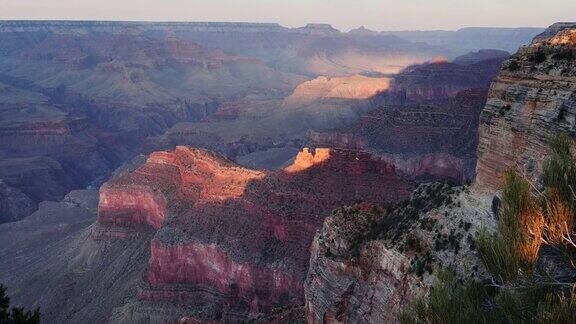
[231, 242]
[531, 100]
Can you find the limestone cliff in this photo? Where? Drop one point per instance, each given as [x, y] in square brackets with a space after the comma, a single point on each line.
[532, 99]
[368, 263]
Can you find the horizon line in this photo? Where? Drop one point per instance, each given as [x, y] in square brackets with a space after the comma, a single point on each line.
[3, 20]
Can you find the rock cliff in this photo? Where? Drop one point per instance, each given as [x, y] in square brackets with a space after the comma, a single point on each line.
[232, 241]
[532, 99]
[368, 263]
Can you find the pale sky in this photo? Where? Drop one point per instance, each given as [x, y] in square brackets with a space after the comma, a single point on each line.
[342, 14]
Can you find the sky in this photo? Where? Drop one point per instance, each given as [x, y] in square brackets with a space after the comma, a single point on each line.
[342, 14]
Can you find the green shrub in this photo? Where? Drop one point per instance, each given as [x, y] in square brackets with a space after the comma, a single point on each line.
[539, 57]
[566, 54]
[521, 221]
[449, 302]
[497, 256]
[16, 315]
[520, 292]
[559, 171]
[513, 66]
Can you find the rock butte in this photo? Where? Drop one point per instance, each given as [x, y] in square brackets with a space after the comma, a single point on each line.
[243, 234]
[307, 158]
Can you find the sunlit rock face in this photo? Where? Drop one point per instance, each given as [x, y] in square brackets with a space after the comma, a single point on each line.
[354, 87]
[426, 122]
[307, 159]
[531, 100]
[239, 235]
[566, 38]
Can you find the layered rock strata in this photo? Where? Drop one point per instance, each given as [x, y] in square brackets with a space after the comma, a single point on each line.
[368, 264]
[531, 100]
[234, 241]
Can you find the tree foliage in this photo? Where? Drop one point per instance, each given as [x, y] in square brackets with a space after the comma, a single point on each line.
[15, 315]
[527, 284]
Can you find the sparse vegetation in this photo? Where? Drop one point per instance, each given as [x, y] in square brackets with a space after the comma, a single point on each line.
[15, 315]
[513, 66]
[564, 53]
[539, 57]
[526, 284]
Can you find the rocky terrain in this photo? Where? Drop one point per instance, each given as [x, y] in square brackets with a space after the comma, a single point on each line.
[107, 91]
[426, 123]
[254, 228]
[78, 99]
[530, 100]
[369, 262]
[206, 237]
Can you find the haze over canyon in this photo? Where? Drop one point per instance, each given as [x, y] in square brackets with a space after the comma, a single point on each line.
[201, 172]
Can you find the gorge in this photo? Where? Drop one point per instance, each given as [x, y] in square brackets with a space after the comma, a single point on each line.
[219, 172]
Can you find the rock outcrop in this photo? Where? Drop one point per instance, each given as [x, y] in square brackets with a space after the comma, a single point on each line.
[355, 87]
[426, 123]
[367, 264]
[532, 99]
[230, 240]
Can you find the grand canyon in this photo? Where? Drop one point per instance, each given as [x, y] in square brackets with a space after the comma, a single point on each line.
[205, 172]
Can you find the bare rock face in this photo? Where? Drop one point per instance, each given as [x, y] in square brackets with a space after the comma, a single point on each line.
[230, 241]
[367, 264]
[532, 99]
[14, 204]
[353, 87]
[426, 122]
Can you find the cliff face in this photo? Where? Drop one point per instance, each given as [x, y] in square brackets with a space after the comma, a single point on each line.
[231, 238]
[426, 123]
[364, 269]
[368, 264]
[532, 99]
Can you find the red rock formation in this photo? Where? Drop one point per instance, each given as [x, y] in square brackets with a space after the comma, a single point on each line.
[307, 159]
[242, 234]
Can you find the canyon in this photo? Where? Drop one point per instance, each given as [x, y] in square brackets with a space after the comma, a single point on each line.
[219, 172]
[426, 122]
[79, 99]
[214, 240]
[367, 264]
